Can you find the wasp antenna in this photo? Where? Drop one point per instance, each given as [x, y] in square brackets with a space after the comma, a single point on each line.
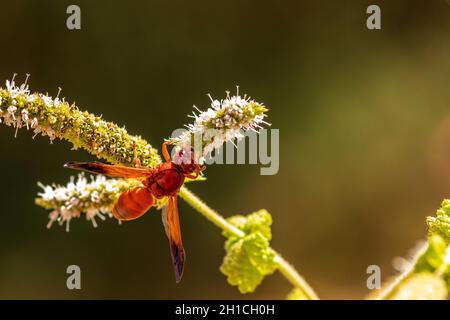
[74, 165]
[67, 164]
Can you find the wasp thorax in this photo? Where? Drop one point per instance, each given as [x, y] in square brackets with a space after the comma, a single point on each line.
[167, 181]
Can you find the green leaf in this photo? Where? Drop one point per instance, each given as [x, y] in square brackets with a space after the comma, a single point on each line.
[249, 259]
[259, 221]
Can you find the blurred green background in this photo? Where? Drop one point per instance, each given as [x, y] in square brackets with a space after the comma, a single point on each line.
[364, 119]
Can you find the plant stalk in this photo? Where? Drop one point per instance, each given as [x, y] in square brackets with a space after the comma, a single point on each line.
[390, 290]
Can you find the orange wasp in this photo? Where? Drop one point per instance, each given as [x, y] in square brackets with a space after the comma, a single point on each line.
[164, 180]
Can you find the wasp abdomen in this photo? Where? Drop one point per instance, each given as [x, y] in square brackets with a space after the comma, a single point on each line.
[133, 203]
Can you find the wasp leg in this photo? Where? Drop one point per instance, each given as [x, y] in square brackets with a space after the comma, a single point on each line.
[165, 152]
[136, 160]
[194, 176]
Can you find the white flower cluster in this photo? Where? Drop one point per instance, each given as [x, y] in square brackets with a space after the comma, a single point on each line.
[13, 115]
[226, 120]
[95, 198]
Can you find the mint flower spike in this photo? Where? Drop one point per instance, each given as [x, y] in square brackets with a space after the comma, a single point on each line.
[57, 119]
[440, 224]
[94, 198]
[225, 120]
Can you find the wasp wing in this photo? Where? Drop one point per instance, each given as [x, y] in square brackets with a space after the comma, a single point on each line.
[171, 223]
[110, 170]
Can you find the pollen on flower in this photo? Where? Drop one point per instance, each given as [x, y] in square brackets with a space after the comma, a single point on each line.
[225, 120]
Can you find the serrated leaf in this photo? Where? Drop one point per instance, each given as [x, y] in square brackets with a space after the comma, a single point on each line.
[259, 221]
[248, 261]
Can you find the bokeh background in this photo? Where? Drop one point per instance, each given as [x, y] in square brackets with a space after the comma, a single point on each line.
[364, 119]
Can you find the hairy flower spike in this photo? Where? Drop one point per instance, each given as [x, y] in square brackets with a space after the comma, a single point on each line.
[57, 119]
[95, 198]
[225, 120]
[440, 224]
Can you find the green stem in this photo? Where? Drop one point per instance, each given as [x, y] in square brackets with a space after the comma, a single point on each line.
[209, 213]
[390, 290]
[286, 269]
[289, 272]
